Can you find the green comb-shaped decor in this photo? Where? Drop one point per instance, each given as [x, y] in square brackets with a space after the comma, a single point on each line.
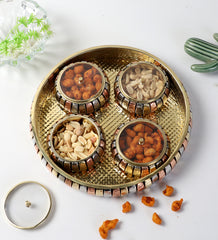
[204, 51]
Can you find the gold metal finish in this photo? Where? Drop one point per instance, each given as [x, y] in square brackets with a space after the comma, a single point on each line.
[173, 117]
[141, 141]
[28, 204]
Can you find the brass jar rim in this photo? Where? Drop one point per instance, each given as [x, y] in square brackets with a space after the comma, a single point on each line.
[139, 120]
[67, 119]
[129, 66]
[72, 100]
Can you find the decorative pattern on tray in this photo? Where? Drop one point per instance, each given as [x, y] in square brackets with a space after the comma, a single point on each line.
[107, 179]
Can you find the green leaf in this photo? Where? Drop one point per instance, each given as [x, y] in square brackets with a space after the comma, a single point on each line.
[4, 47]
[49, 33]
[45, 27]
[14, 29]
[39, 21]
[12, 48]
[31, 18]
[34, 34]
[23, 20]
[30, 33]
[19, 38]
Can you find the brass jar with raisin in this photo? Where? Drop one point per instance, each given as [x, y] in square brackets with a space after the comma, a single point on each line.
[140, 147]
[82, 87]
[141, 88]
[76, 143]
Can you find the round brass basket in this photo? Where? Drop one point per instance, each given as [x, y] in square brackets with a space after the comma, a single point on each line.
[107, 179]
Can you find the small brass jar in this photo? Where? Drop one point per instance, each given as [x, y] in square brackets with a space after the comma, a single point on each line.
[141, 88]
[140, 147]
[82, 87]
[76, 143]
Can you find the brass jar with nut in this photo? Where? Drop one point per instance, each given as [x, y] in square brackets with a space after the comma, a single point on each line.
[76, 143]
[141, 88]
[140, 147]
[82, 87]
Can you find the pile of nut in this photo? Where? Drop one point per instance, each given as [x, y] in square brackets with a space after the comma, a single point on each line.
[141, 142]
[81, 82]
[143, 82]
[75, 140]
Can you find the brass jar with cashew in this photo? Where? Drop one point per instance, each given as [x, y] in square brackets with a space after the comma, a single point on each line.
[76, 143]
[141, 88]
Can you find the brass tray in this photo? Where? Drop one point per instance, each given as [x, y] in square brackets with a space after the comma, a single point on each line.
[106, 179]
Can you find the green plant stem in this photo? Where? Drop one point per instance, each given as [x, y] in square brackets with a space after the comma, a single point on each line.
[16, 38]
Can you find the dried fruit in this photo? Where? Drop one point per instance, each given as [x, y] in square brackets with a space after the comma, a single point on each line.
[126, 207]
[148, 201]
[81, 82]
[176, 205]
[106, 226]
[141, 142]
[168, 191]
[156, 219]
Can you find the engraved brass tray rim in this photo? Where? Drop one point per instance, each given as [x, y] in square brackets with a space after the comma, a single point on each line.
[134, 182]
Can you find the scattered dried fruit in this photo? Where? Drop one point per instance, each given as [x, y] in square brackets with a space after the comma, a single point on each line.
[148, 201]
[106, 226]
[168, 191]
[176, 205]
[156, 219]
[126, 207]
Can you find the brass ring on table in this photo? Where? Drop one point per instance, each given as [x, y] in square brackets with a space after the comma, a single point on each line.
[42, 220]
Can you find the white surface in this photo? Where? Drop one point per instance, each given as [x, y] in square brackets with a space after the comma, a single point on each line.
[161, 28]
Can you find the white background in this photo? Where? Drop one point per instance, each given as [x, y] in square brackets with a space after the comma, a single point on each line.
[161, 28]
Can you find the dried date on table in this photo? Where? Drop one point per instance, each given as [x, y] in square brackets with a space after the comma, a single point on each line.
[106, 226]
[126, 207]
[148, 201]
[168, 191]
[156, 218]
[176, 205]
